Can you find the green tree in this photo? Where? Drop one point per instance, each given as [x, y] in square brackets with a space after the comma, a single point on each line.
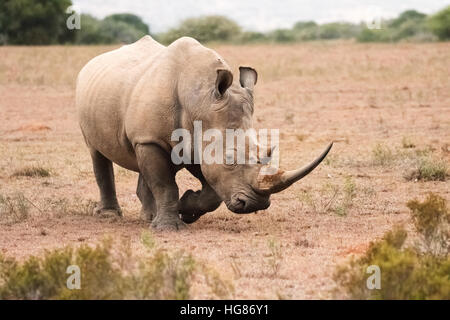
[112, 29]
[34, 22]
[131, 20]
[439, 24]
[373, 35]
[90, 30]
[407, 15]
[306, 30]
[336, 30]
[282, 35]
[301, 25]
[251, 37]
[204, 29]
[409, 25]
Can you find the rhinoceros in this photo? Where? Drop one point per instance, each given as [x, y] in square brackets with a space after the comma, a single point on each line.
[131, 99]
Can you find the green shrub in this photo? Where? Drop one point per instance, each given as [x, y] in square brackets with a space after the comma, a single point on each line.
[107, 272]
[406, 273]
[131, 20]
[45, 278]
[347, 201]
[436, 170]
[282, 35]
[439, 24]
[302, 25]
[13, 208]
[115, 31]
[372, 35]
[407, 15]
[89, 32]
[382, 155]
[409, 25]
[432, 220]
[429, 169]
[34, 22]
[250, 37]
[407, 143]
[338, 30]
[331, 198]
[306, 30]
[408, 29]
[203, 29]
[116, 28]
[274, 257]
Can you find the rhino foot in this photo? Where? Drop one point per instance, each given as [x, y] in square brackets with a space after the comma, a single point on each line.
[107, 212]
[146, 215]
[168, 224]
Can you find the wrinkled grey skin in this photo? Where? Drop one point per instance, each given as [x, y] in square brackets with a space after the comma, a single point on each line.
[131, 99]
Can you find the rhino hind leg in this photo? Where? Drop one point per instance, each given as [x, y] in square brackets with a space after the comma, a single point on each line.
[104, 175]
[148, 211]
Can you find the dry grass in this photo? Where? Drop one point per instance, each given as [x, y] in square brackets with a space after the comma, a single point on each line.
[358, 95]
[33, 171]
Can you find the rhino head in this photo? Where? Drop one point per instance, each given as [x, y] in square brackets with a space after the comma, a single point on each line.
[244, 188]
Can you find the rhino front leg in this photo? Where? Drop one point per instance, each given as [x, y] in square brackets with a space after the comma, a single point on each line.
[195, 204]
[104, 175]
[158, 172]
[148, 211]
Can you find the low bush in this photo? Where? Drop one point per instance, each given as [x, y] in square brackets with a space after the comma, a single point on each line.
[331, 198]
[405, 273]
[428, 169]
[107, 273]
[13, 208]
[439, 24]
[382, 155]
[431, 219]
[203, 29]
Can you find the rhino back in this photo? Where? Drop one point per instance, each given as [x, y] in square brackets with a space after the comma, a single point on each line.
[139, 94]
[104, 87]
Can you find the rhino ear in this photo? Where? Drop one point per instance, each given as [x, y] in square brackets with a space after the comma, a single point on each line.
[248, 77]
[223, 82]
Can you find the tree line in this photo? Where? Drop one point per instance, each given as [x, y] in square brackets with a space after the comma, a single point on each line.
[28, 22]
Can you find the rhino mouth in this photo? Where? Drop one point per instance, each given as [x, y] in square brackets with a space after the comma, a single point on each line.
[243, 203]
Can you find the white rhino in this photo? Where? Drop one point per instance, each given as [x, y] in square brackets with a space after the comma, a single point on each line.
[131, 99]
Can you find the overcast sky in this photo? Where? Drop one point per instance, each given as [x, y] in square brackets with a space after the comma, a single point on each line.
[257, 15]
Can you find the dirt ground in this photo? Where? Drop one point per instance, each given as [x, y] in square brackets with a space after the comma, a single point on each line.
[384, 105]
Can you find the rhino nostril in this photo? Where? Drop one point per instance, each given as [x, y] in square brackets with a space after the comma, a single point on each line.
[240, 203]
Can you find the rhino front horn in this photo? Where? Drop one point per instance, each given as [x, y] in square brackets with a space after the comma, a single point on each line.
[280, 180]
